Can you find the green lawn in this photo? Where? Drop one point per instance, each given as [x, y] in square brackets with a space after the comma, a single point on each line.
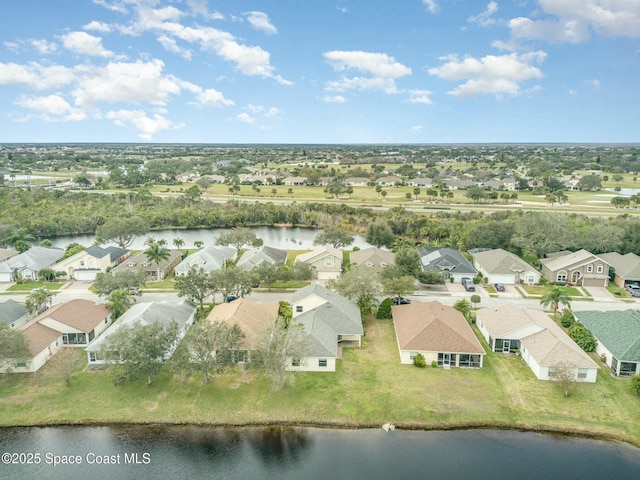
[369, 388]
[27, 287]
[541, 290]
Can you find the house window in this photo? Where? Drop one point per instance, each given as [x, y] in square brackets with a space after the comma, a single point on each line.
[328, 262]
[295, 362]
[600, 269]
[92, 356]
[298, 308]
[590, 268]
[413, 355]
[531, 280]
[470, 361]
[74, 339]
[21, 364]
[92, 335]
[322, 362]
[561, 276]
[582, 372]
[82, 263]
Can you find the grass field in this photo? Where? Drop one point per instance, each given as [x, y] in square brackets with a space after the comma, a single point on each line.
[369, 388]
[27, 287]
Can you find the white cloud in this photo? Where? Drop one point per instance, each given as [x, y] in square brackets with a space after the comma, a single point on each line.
[260, 21]
[431, 5]
[199, 7]
[334, 99]
[491, 74]
[43, 47]
[85, 44]
[113, 6]
[147, 126]
[593, 83]
[213, 98]
[573, 21]
[35, 75]
[485, 19]
[246, 118]
[273, 112]
[416, 129]
[383, 70]
[420, 96]
[50, 105]
[170, 45]
[97, 26]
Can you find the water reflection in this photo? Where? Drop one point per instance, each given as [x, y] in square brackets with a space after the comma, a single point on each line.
[280, 445]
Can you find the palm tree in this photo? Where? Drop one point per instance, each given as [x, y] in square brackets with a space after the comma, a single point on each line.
[178, 242]
[198, 243]
[555, 297]
[119, 302]
[156, 253]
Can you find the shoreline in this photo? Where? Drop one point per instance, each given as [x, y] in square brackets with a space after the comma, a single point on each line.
[542, 429]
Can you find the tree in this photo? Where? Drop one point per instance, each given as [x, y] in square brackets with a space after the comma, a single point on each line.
[379, 234]
[361, 285]
[193, 194]
[156, 253]
[590, 183]
[13, 346]
[178, 242]
[334, 236]
[131, 280]
[237, 237]
[83, 181]
[197, 285]
[553, 298]
[198, 244]
[279, 347]
[475, 300]
[119, 302]
[349, 191]
[212, 346]
[416, 192]
[564, 374]
[47, 274]
[395, 284]
[66, 362]
[121, 230]
[408, 196]
[232, 281]
[140, 350]
[407, 259]
[384, 310]
[268, 273]
[431, 277]
[46, 243]
[39, 300]
[475, 193]
[419, 361]
[336, 187]
[464, 307]
[378, 189]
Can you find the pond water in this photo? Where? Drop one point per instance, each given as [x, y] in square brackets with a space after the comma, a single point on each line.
[293, 238]
[308, 453]
[624, 191]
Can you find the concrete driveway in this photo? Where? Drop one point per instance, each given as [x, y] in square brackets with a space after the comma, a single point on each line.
[601, 294]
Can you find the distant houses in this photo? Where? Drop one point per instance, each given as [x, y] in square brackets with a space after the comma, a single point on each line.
[27, 264]
[208, 259]
[450, 262]
[86, 264]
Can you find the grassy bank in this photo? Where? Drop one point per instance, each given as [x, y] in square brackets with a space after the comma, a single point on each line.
[369, 389]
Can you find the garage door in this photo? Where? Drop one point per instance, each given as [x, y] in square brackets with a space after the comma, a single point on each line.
[328, 275]
[87, 275]
[594, 282]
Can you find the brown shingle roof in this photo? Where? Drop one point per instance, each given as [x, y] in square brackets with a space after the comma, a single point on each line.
[252, 318]
[433, 327]
[82, 315]
[38, 336]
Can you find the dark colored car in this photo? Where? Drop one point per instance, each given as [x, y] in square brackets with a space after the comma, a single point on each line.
[400, 301]
[499, 287]
[231, 298]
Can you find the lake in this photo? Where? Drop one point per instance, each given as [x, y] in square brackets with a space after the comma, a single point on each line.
[285, 238]
[309, 453]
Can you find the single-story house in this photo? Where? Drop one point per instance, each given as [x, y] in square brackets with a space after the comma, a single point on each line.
[207, 258]
[294, 181]
[86, 265]
[423, 182]
[456, 184]
[326, 262]
[618, 336]
[13, 313]
[372, 257]
[140, 260]
[439, 332]
[255, 256]
[626, 267]
[330, 321]
[28, 264]
[145, 313]
[388, 181]
[72, 324]
[579, 268]
[253, 318]
[7, 253]
[447, 260]
[356, 181]
[543, 345]
[500, 266]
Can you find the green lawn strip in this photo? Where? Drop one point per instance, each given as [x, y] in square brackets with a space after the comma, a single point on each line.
[541, 290]
[370, 387]
[291, 256]
[27, 287]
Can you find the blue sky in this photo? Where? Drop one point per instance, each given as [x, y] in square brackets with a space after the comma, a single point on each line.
[320, 71]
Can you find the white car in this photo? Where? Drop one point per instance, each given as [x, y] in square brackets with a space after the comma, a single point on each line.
[634, 290]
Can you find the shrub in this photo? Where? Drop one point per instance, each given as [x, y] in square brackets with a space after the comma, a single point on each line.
[567, 319]
[431, 277]
[583, 337]
[384, 310]
[434, 364]
[419, 361]
[635, 384]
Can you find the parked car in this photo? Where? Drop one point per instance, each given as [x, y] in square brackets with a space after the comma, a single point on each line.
[400, 301]
[468, 285]
[499, 287]
[231, 298]
[634, 290]
[134, 290]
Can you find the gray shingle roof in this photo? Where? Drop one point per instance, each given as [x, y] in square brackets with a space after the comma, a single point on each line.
[208, 258]
[626, 266]
[500, 261]
[618, 331]
[445, 258]
[36, 258]
[255, 256]
[10, 311]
